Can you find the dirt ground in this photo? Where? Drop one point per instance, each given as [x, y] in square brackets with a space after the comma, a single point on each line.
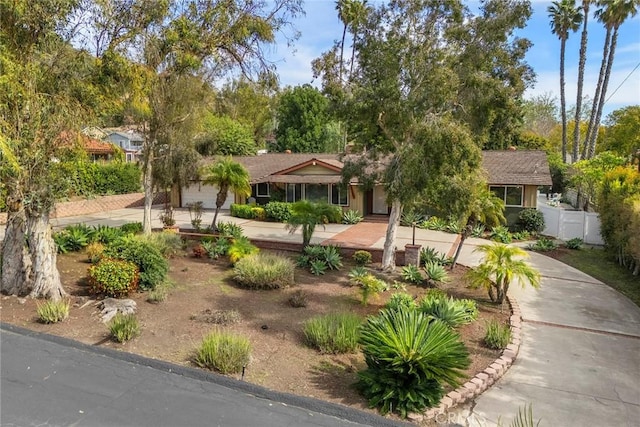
[171, 330]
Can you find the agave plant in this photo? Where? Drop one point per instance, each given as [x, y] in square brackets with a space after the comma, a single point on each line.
[318, 267]
[411, 273]
[409, 357]
[435, 273]
[451, 311]
[351, 217]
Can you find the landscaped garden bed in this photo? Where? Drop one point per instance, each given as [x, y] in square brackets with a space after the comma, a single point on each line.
[204, 297]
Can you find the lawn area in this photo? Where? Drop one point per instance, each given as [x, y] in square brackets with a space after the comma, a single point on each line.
[597, 263]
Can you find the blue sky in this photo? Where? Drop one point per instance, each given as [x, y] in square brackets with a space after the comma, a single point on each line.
[321, 27]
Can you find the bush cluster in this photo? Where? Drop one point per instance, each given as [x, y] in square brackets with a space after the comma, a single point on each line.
[531, 220]
[81, 178]
[147, 257]
[278, 211]
[264, 271]
[362, 257]
[320, 258]
[113, 277]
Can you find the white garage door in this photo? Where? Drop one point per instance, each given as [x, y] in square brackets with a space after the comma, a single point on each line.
[206, 194]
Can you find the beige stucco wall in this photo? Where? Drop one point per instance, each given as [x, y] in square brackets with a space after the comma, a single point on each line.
[314, 170]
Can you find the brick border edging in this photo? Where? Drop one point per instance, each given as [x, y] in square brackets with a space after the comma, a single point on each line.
[485, 379]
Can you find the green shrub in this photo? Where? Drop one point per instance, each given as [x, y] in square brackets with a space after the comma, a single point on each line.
[278, 211]
[411, 274]
[52, 311]
[168, 244]
[435, 273]
[160, 293]
[369, 285]
[453, 226]
[451, 311]
[116, 178]
[477, 231]
[216, 248]
[498, 335]
[543, 245]
[241, 211]
[105, 234]
[500, 234]
[224, 352]
[240, 248]
[434, 223]
[531, 220]
[152, 265]
[131, 228]
[334, 215]
[362, 257]
[315, 257]
[230, 230]
[94, 252]
[333, 333]
[351, 217]
[409, 357]
[521, 235]
[113, 277]
[298, 299]
[124, 328]
[258, 213]
[575, 243]
[357, 273]
[400, 299]
[264, 271]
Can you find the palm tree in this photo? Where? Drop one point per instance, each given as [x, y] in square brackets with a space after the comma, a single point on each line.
[307, 215]
[344, 13]
[499, 268]
[583, 58]
[612, 14]
[565, 17]
[227, 175]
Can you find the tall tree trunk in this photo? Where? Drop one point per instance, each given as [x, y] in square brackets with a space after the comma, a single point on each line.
[147, 183]
[46, 278]
[221, 197]
[596, 97]
[389, 252]
[603, 95]
[581, 64]
[344, 34]
[563, 102]
[16, 262]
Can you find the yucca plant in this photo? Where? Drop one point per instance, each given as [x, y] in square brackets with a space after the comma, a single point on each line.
[411, 273]
[52, 311]
[409, 357]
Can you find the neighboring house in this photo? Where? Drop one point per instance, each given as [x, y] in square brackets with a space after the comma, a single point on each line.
[130, 142]
[96, 150]
[515, 175]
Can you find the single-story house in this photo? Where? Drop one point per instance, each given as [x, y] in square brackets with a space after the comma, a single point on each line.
[512, 175]
[130, 142]
[96, 150]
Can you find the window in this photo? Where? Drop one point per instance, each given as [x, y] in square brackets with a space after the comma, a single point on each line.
[262, 189]
[294, 192]
[510, 195]
[316, 193]
[339, 195]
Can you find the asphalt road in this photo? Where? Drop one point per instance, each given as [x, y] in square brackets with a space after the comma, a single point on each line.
[52, 381]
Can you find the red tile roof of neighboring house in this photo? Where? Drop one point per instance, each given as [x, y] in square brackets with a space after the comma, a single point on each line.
[92, 146]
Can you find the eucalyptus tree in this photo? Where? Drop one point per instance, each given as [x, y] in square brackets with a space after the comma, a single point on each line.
[565, 17]
[419, 92]
[35, 108]
[612, 13]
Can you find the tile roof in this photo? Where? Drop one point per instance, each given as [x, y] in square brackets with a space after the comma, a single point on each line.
[517, 167]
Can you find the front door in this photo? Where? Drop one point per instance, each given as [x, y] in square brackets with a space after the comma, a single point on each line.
[380, 206]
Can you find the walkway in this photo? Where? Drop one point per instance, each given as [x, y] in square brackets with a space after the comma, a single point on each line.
[579, 362]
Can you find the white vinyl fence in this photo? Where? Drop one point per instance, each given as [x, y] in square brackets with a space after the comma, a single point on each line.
[565, 224]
